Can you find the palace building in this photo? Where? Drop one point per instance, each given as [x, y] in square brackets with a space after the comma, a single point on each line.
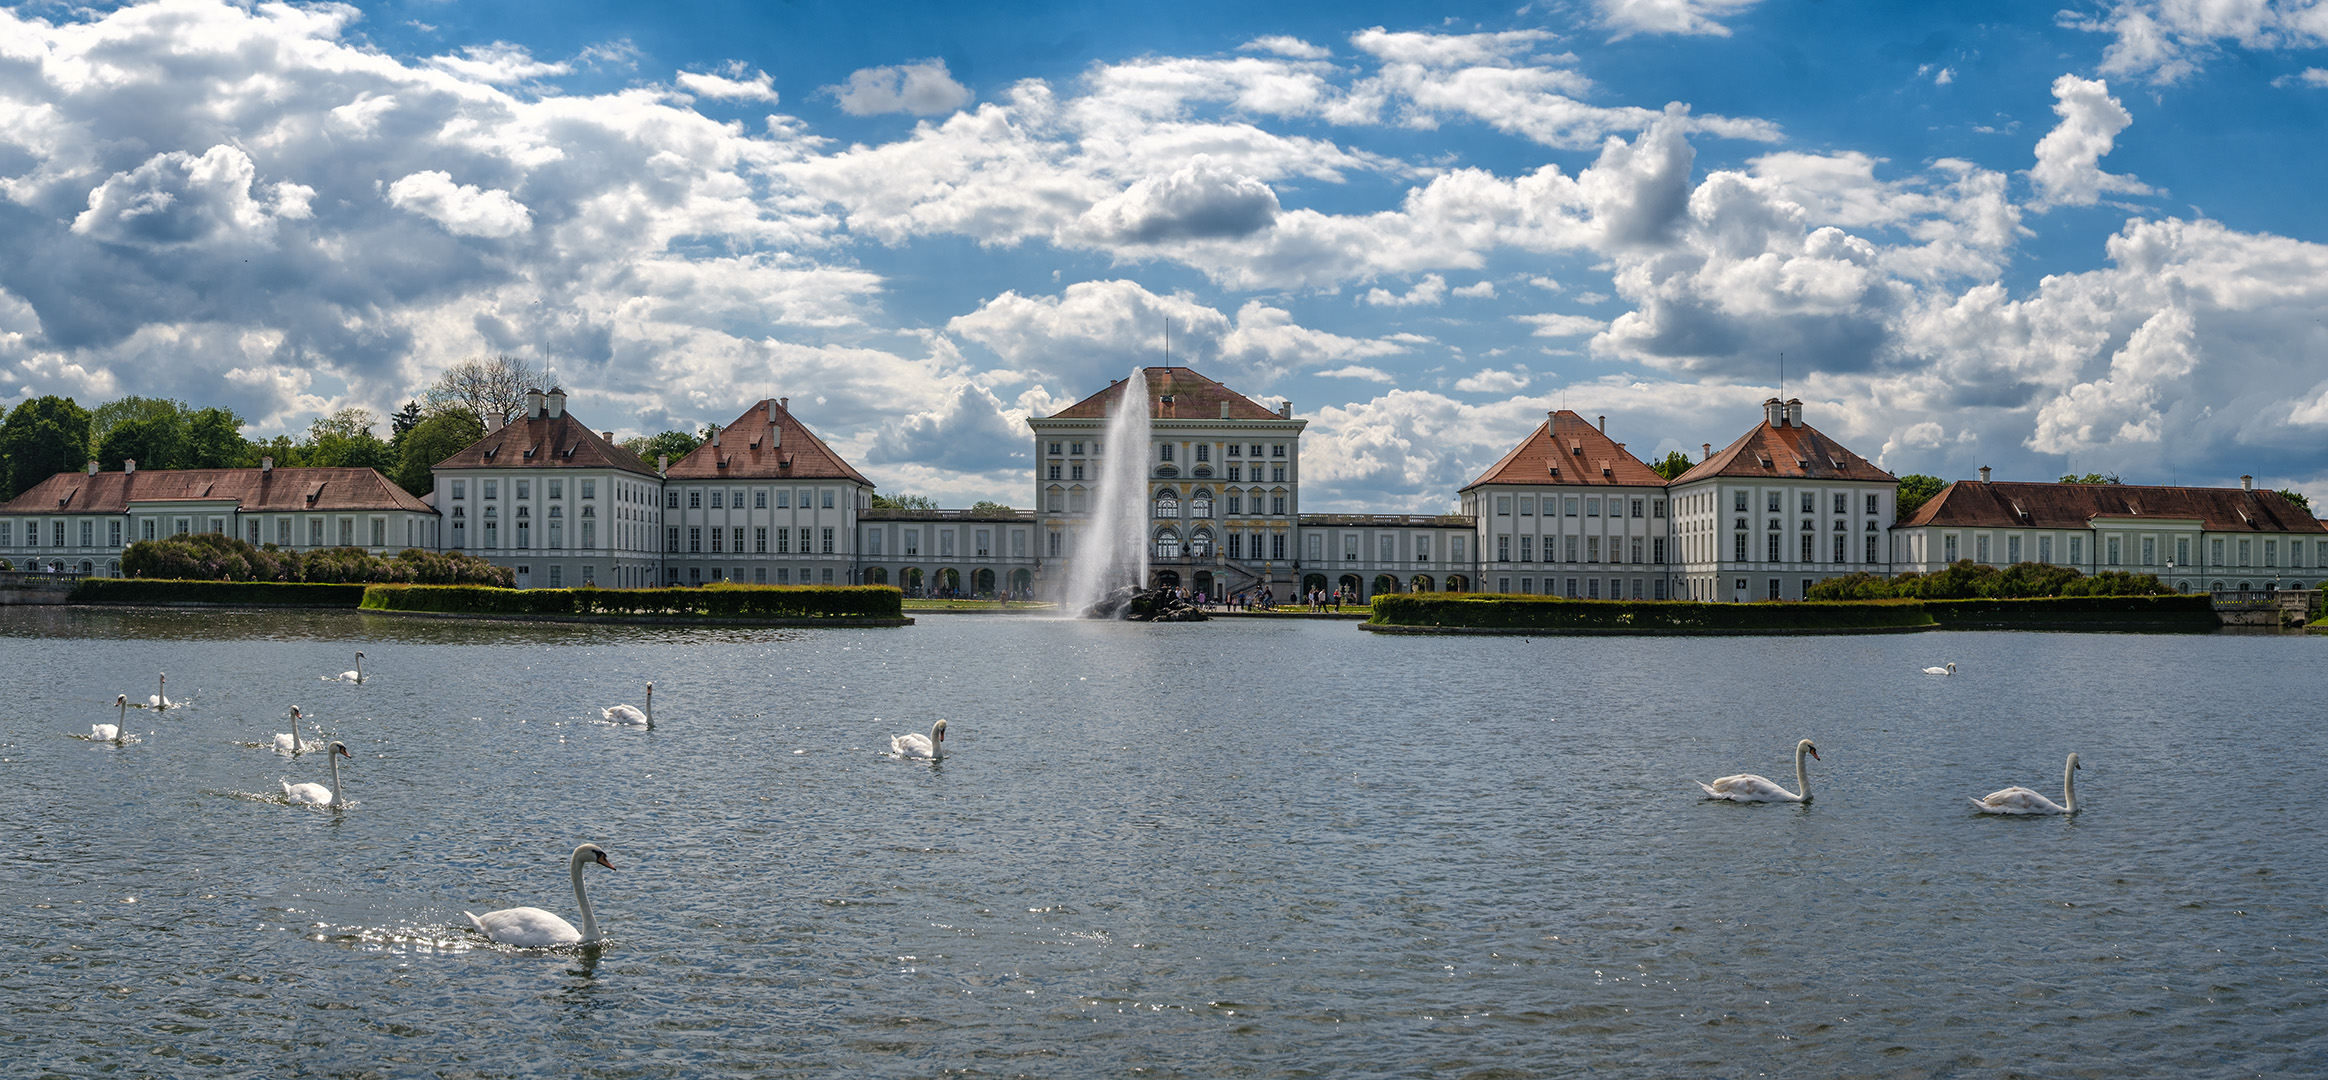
[1568, 512]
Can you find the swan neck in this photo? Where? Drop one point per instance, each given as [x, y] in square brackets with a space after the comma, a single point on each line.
[1802, 775]
[937, 746]
[582, 900]
[335, 794]
[2069, 789]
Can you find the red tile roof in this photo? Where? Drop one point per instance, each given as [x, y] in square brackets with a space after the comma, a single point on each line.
[2010, 504]
[1787, 452]
[746, 451]
[1567, 449]
[252, 490]
[1194, 397]
[546, 442]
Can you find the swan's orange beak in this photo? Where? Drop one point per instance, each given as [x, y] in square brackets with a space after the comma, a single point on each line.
[343, 752]
[1815, 753]
[602, 861]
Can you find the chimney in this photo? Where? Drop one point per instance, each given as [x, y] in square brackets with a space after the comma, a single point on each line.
[1709, 448]
[1794, 411]
[1604, 425]
[493, 422]
[2247, 483]
[607, 435]
[1285, 409]
[92, 466]
[557, 401]
[1773, 413]
[533, 404]
[714, 435]
[1984, 471]
[267, 466]
[1224, 410]
[662, 464]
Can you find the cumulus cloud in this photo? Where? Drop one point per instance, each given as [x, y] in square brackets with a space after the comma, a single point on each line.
[462, 209]
[1429, 292]
[1195, 202]
[176, 199]
[1554, 326]
[972, 431]
[923, 88]
[733, 86]
[1359, 371]
[2068, 170]
[1493, 381]
[1477, 290]
[1284, 45]
[1629, 17]
[2167, 41]
[500, 63]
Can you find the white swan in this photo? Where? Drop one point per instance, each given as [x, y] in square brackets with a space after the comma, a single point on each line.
[159, 699]
[355, 676]
[1949, 670]
[533, 928]
[317, 794]
[917, 745]
[625, 714]
[115, 733]
[1747, 787]
[2021, 800]
[288, 742]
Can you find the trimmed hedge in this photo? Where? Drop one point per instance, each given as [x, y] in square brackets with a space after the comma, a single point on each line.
[2196, 610]
[1474, 611]
[1486, 612]
[731, 601]
[239, 593]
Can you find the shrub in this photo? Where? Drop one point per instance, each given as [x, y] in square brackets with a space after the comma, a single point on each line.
[1471, 610]
[1967, 580]
[217, 557]
[724, 600]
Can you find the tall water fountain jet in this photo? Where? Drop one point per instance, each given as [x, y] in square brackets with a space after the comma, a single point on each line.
[1112, 553]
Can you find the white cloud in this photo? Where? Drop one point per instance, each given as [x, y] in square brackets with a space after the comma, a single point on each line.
[1563, 325]
[1283, 45]
[1629, 17]
[462, 209]
[1359, 371]
[923, 88]
[1493, 381]
[1429, 292]
[1198, 201]
[1477, 290]
[500, 64]
[734, 86]
[2167, 41]
[177, 199]
[2068, 170]
[1946, 76]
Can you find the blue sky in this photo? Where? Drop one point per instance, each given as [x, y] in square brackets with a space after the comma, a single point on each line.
[2046, 240]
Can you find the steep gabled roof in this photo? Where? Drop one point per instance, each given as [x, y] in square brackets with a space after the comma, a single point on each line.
[766, 443]
[539, 441]
[1787, 451]
[2020, 505]
[285, 490]
[1193, 397]
[1567, 449]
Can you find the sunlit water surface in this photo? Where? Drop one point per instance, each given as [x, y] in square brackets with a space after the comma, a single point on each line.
[1233, 849]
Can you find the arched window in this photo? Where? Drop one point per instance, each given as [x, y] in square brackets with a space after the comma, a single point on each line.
[1200, 505]
[1055, 500]
[1168, 503]
[1075, 500]
[1200, 543]
[1168, 544]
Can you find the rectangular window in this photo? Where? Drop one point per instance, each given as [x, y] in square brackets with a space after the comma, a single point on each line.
[1592, 549]
[1571, 550]
[1772, 548]
[2246, 553]
[1739, 549]
[1236, 545]
[1054, 545]
[912, 542]
[113, 533]
[715, 499]
[2113, 549]
[88, 534]
[1871, 504]
[2076, 550]
[557, 491]
[828, 504]
[1774, 502]
[760, 541]
[1637, 504]
[1657, 553]
[784, 542]
[1277, 450]
[1277, 505]
[1527, 507]
[2045, 549]
[1592, 588]
[1980, 547]
[716, 537]
[1277, 474]
[1658, 512]
[1871, 549]
[2270, 552]
[2182, 551]
[589, 536]
[872, 543]
[315, 532]
[735, 538]
[1527, 549]
[1388, 546]
[1592, 507]
[1204, 451]
[1807, 540]
[589, 491]
[2149, 550]
[460, 489]
[695, 498]
[671, 502]
[984, 542]
[804, 541]
[828, 542]
[784, 499]
[1503, 506]
[695, 538]
[524, 489]
[492, 489]
[1277, 541]
[379, 533]
[1948, 545]
[1236, 503]
[1503, 547]
[1839, 539]
[1055, 470]
[1842, 503]
[1455, 548]
[1164, 451]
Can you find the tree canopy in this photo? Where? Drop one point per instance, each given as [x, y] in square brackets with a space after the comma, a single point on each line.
[1915, 490]
[903, 502]
[1673, 464]
[431, 441]
[483, 386]
[41, 438]
[674, 444]
[2092, 478]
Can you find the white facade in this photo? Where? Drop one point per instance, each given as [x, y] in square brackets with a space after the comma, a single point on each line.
[1780, 510]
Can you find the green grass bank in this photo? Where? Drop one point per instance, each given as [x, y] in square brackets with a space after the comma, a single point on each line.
[1477, 614]
[802, 605]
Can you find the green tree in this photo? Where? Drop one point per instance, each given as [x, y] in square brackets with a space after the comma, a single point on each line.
[431, 441]
[287, 454]
[676, 444]
[405, 419]
[41, 438]
[1915, 490]
[904, 502]
[2298, 498]
[986, 506]
[2092, 478]
[104, 418]
[213, 440]
[344, 439]
[1673, 465]
[154, 442]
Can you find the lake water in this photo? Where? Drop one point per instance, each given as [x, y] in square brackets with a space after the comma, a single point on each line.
[1241, 848]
